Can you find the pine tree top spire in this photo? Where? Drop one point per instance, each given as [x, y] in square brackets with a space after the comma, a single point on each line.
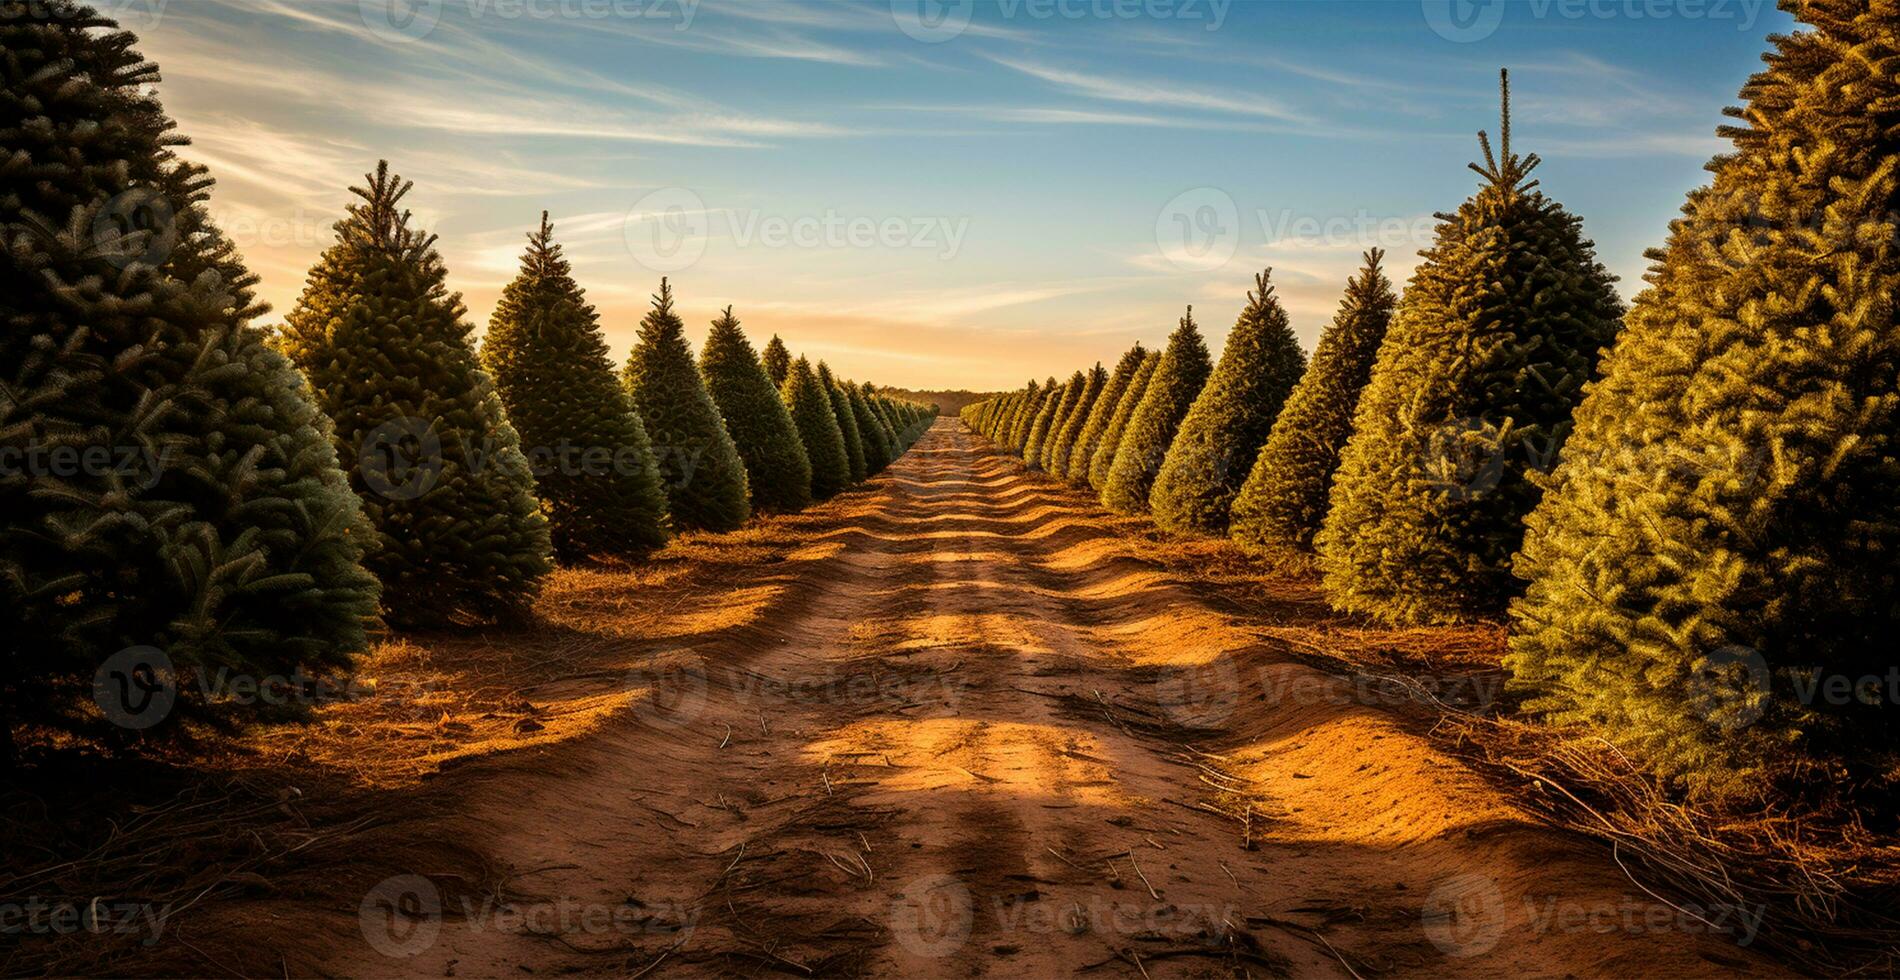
[1506, 169]
[544, 257]
[376, 221]
[663, 302]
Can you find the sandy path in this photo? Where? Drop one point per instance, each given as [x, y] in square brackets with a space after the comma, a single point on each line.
[974, 735]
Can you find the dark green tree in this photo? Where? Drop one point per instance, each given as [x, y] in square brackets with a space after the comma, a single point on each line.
[778, 473]
[705, 479]
[1056, 459]
[1101, 413]
[810, 405]
[593, 466]
[778, 362]
[877, 447]
[1283, 502]
[1718, 541]
[1171, 392]
[847, 423]
[1026, 416]
[1470, 399]
[430, 450]
[1048, 422]
[1222, 434]
[169, 481]
[1103, 462]
[875, 403]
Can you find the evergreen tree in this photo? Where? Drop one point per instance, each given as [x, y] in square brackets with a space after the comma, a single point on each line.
[1101, 414]
[1223, 432]
[1470, 397]
[877, 447]
[875, 403]
[1103, 462]
[594, 467]
[778, 473]
[817, 423]
[1056, 461]
[778, 362]
[173, 483]
[430, 450]
[1284, 499]
[1171, 392]
[700, 467]
[1721, 532]
[847, 424]
[1026, 416]
[1053, 409]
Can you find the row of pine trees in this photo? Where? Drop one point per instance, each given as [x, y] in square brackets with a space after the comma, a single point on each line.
[1686, 510]
[287, 491]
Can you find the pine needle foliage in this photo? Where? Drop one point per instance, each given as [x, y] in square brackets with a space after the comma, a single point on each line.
[810, 404]
[700, 468]
[778, 473]
[1469, 403]
[430, 450]
[206, 514]
[1101, 413]
[1177, 382]
[847, 424]
[1715, 553]
[1062, 449]
[1053, 409]
[1103, 463]
[1283, 502]
[594, 468]
[877, 446]
[1214, 450]
[778, 361]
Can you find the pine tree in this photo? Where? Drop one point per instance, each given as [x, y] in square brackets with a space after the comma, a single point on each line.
[1177, 382]
[173, 484]
[1026, 416]
[700, 467]
[877, 447]
[1722, 528]
[1101, 414]
[873, 401]
[1283, 502]
[847, 424]
[594, 468]
[1470, 398]
[1053, 410]
[778, 362]
[1103, 462]
[1222, 434]
[429, 447]
[778, 473]
[1056, 460]
[810, 405]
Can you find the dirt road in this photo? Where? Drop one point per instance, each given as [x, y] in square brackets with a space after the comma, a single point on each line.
[963, 730]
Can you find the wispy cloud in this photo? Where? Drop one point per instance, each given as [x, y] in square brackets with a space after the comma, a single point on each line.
[1149, 92]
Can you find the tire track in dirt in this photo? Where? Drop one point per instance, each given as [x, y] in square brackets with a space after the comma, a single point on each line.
[976, 735]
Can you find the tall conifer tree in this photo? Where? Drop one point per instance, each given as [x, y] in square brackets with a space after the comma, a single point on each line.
[1177, 381]
[1222, 434]
[700, 467]
[1722, 529]
[1056, 460]
[778, 473]
[219, 527]
[430, 450]
[1102, 413]
[594, 468]
[1470, 399]
[810, 405]
[1283, 502]
[1051, 418]
[847, 423]
[1103, 462]
[877, 446]
[778, 362]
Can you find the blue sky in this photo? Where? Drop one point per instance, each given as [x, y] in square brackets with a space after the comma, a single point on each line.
[933, 193]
